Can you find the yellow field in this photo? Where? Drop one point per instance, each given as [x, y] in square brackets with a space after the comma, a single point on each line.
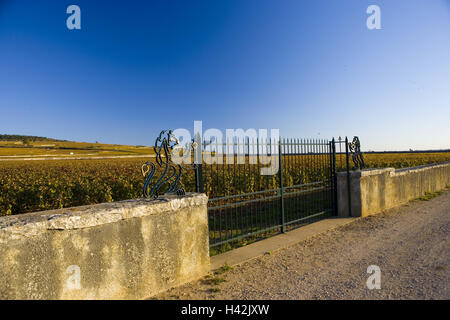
[67, 149]
[27, 186]
[398, 160]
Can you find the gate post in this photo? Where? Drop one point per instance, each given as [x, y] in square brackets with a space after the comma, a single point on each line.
[280, 174]
[198, 178]
[332, 173]
[334, 177]
[348, 178]
[198, 161]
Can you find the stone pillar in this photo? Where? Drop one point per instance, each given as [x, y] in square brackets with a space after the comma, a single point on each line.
[367, 188]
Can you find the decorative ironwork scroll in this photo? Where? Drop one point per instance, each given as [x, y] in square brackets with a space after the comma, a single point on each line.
[355, 149]
[171, 174]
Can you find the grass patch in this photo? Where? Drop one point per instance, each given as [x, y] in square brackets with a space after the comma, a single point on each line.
[215, 281]
[223, 269]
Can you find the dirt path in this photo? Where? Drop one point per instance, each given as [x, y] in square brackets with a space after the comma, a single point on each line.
[410, 244]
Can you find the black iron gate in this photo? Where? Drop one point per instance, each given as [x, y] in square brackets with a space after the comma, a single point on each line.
[265, 187]
[256, 187]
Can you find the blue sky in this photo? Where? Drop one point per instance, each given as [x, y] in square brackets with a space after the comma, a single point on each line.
[310, 68]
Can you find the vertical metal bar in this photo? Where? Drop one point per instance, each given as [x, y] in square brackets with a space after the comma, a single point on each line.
[198, 178]
[249, 208]
[197, 182]
[310, 178]
[280, 173]
[321, 152]
[331, 178]
[202, 183]
[348, 179]
[316, 170]
[257, 205]
[324, 169]
[296, 179]
[261, 205]
[288, 204]
[198, 167]
[335, 204]
[304, 165]
[272, 208]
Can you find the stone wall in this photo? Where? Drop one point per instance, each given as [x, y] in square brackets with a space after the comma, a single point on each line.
[374, 190]
[120, 250]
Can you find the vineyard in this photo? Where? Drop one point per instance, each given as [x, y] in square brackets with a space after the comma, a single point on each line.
[27, 186]
[29, 147]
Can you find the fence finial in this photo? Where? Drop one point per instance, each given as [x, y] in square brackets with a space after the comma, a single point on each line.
[164, 144]
[355, 149]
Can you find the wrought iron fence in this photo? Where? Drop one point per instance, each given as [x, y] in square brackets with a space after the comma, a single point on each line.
[245, 204]
[258, 187]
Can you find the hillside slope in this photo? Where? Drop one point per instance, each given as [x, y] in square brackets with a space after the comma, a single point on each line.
[17, 146]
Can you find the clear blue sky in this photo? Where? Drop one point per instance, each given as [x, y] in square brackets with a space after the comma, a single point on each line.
[310, 68]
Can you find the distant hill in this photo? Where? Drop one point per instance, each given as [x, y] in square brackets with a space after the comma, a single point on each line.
[18, 137]
[17, 146]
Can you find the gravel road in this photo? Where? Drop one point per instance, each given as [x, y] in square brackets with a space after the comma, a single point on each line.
[410, 244]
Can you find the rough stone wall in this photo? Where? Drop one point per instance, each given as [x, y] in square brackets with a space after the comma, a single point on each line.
[124, 250]
[374, 190]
